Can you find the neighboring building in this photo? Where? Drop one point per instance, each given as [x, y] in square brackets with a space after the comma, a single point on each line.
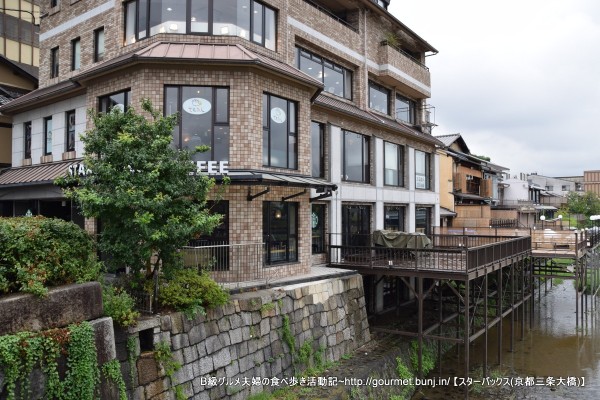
[469, 185]
[324, 123]
[19, 55]
[19, 31]
[591, 181]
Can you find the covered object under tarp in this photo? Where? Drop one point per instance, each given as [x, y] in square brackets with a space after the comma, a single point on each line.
[401, 240]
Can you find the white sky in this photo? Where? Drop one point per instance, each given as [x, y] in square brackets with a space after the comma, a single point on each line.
[518, 79]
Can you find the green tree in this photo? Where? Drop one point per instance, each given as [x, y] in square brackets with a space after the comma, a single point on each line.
[145, 192]
[585, 205]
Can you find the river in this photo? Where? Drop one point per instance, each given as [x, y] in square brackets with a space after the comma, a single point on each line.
[556, 347]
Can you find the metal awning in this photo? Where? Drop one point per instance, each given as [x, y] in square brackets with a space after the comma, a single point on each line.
[253, 178]
[469, 196]
[544, 208]
[40, 174]
[444, 212]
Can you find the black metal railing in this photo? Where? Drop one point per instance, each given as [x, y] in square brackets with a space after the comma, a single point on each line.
[331, 15]
[456, 253]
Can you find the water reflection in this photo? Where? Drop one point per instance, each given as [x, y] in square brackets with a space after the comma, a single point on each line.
[555, 347]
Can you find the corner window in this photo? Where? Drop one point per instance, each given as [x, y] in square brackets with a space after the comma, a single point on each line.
[318, 228]
[280, 230]
[47, 136]
[27, 139]
[317, 149]
[247, 19]
[393, 164]
[356, 157]
[75, 54]
[279, 132]
[379, 98]
[422, 170]
[119, 100]
[405, 109]
[99, 44]
[337, 79]
[70, 131]
[203, 119]
[394, 218]
[54, 62]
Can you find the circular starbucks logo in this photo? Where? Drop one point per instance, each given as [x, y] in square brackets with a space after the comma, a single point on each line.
[278, 115]
[315, 220]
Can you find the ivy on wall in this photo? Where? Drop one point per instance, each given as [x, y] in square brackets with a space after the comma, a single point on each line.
[22, 352]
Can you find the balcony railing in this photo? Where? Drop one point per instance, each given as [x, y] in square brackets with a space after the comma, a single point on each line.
[445, 253]
[331, 15]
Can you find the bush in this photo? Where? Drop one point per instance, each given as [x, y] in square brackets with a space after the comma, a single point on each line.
[38, 252]
[192, 292]
[119, 305]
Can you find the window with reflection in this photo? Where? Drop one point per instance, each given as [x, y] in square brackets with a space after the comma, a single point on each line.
[317, 146]
[405, 109]
[318, 228]
[336, 79]
[423, 220]
[394, 218]
[70, 131]
[280, 231]
[393, 164]
[379, 98]
[356, 157]
[27, 139]
[54, 65]
[119, 100]
[247, 19]
[203, 120]
[422, 170]
[47, 136]
[279, 132]
[75, 54]
[99, 44]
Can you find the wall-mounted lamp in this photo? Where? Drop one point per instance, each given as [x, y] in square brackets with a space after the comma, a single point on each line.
[277, 214]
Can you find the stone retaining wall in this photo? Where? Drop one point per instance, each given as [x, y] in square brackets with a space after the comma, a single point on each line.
[226, 352]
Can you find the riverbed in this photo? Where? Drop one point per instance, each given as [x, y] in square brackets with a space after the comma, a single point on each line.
[556, 359]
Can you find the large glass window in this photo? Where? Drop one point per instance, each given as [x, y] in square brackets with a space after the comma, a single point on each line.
[421, 170]
[280, 230]
[47, 136]
[54, 62]
[337, 79]
[248, 19]
[279, 132]
[394, 162]
[379, 98]
[119, 100]
[423, 220]
[394, 218]
[405, 109]
[70, 131]
[75, 54]
[317, 147]
[356, 157]
[203, 119]
[27, 139]
[318, 228]
[356, 225]
[99, 44]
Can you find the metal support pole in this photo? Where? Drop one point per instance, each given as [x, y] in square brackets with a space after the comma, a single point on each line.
[420, 332]
[512, 306]
[467, 333]
[485, 310]
[499, 310]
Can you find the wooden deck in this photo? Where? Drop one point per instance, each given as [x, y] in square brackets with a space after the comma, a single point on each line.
[480, 254]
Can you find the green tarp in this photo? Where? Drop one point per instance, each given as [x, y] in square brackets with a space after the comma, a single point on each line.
[401, 240]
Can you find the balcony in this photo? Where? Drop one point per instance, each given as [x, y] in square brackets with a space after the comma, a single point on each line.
[405, 71]
[447, 254]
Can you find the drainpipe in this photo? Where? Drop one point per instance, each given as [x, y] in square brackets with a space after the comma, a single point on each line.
[366, 94]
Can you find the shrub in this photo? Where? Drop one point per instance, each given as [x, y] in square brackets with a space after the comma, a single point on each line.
[119, 305]
[38, 252]
[192, 292]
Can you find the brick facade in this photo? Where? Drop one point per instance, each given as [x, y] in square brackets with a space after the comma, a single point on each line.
[355, 45]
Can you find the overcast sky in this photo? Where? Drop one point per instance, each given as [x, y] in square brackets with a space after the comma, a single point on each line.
[518, 79]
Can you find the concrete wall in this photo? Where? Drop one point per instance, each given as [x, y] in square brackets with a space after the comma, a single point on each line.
[244, 339]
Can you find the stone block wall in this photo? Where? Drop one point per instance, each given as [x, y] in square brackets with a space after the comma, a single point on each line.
[235, 350]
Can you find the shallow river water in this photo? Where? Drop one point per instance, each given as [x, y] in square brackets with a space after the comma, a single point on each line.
[556, 347]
